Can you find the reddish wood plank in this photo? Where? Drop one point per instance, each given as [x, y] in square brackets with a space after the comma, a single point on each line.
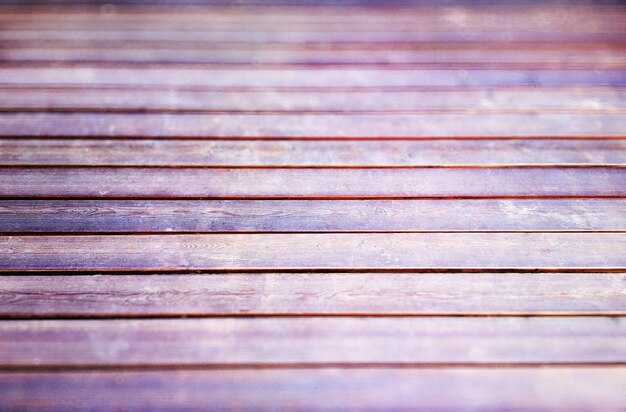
[152, 55]
[311, 183]
[310, 341]
[305, 78]
[546, 100]
[338, 251]
[297, 35]
[310, 215]
[345, 153]
[301, 12]
[313, 294]
[561, 388]
[326, 126]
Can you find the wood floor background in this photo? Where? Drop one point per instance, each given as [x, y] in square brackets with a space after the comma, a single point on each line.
[308, 207]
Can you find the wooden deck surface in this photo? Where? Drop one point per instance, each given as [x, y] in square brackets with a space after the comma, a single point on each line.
[409, 206]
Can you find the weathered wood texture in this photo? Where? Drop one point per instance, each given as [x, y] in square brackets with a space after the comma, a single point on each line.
[312, 183]
[344, 153]
[297, 341]
[319, 126]
[250, 77]
[259, 294]
[103, 98]
[386, 251]
[153, 55]
[469, 158]
[311, 215]
[442, 389]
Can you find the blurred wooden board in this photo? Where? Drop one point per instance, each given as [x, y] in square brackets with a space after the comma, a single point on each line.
[335, 388]
[310, 341]
[314, 153]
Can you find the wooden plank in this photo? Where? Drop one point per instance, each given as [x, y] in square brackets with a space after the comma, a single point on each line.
[313, 341]
[590, 46]
[302, 153]
[561, 388]
[297, 35]
[273, 16]
[252, 77]
[255, 183]
[149, 55]
[303, 12]
[545, 100]
[300, 251]
[363, 294]
[317, 126]
[311, 215]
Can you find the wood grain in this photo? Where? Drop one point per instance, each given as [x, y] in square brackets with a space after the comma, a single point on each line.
[297, 341]
[562, 388]
[297, 35]
[337, 153]
[341, 78]
[303, 126]
[339, 251]
[311, 215]
[152, 55]
[311, 294]
[311, 183]
[546, 100]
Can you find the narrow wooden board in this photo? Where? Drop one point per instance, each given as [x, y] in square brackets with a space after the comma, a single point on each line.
[311, 294]
[311, 215]
[290, 183]
[562, 388]
[302, 11]
[313, 341]
[466, 58]
[338, 251]
[303, 153]
[545, 100]
[317, 126]
[252, 77]
[470, 22]
[296, 35]
[272, 17]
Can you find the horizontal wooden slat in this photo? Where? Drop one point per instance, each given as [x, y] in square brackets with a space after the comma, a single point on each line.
[310, 215]
[311, 183]
[548, 17]
[532, 59]
[301, 11]
[299, 36]
[546, 100]
[313, 294]
[251, 77]
[325, 126]
[457, 389]
[296, 341]
[346, 153]
[557, 47]
[375, 251]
